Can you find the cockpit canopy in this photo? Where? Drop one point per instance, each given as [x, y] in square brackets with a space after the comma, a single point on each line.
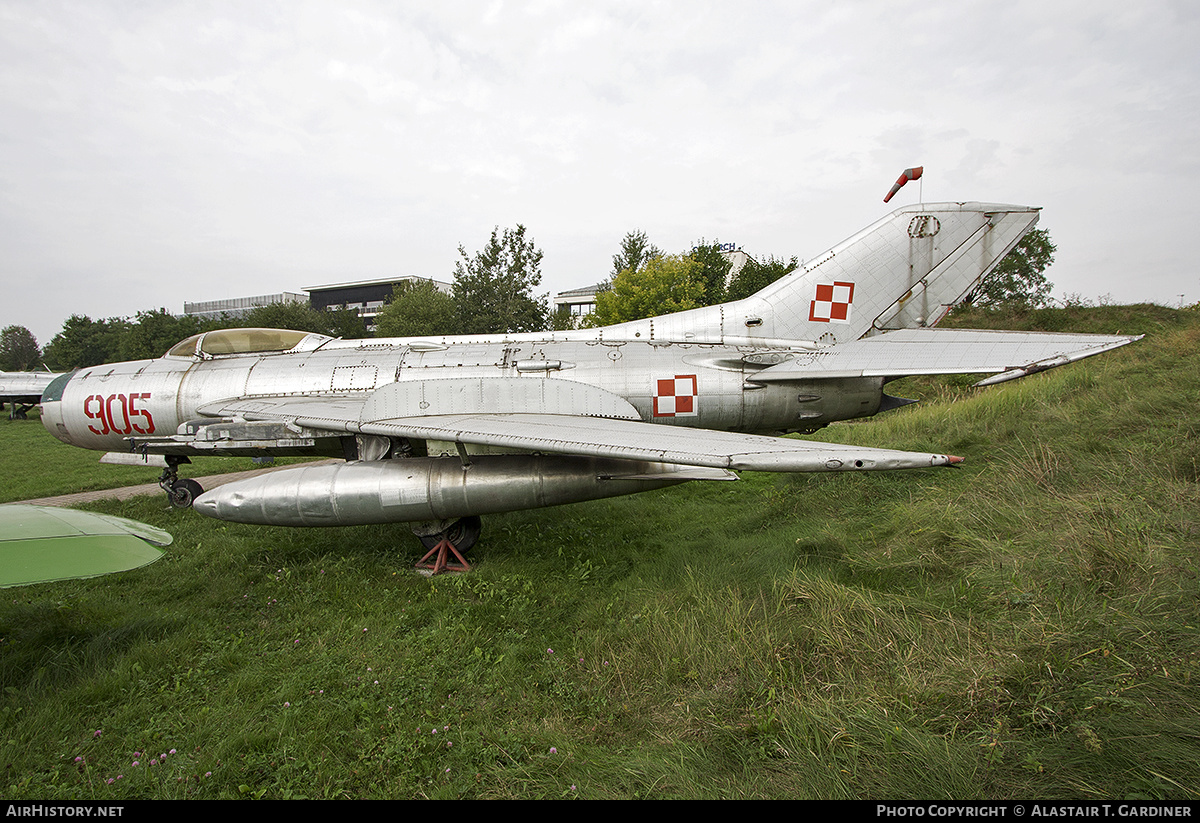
[247, 341]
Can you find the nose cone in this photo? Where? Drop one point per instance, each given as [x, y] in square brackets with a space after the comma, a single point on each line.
[52, 420]
[52, 408]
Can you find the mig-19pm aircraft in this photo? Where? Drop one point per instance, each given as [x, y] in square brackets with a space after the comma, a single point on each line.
[22, 390]
[438, 431]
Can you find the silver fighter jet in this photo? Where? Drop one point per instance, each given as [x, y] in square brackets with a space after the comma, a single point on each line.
[436, 432]
[22, 390]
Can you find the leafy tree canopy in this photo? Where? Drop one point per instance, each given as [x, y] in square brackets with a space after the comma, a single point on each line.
[417, 309]
[86, 342]
[636, 249]
[19, 349]
[755, 276]
[663, 285]
[153, 332]
[493, 289]
[646, 283]
[1019, 278]
[713, 271]
[302, 317]
[561, 319]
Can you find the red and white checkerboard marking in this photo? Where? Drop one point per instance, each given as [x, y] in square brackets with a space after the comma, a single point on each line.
[832, 304]
[676, 396]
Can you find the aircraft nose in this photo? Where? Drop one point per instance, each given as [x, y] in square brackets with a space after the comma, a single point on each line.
[52, 408]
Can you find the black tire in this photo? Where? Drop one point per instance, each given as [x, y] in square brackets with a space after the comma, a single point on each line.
[463, 534]
[184, 492]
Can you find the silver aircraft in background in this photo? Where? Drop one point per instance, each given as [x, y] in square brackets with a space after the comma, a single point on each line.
[22, 390]
[438, 431]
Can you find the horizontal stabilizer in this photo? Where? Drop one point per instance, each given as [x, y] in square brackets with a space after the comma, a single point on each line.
[943, 351]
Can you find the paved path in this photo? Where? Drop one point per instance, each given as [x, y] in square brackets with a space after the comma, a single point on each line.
[126, 492]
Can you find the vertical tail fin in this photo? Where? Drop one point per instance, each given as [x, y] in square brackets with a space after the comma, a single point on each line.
[906, 270]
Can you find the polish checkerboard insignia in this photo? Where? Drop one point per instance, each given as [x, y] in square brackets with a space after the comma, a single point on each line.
[832, 303]
[676, 396]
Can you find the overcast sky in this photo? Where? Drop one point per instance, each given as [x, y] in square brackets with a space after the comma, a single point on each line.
[157, 152]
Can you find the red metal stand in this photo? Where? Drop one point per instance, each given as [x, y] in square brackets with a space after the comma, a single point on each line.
[443, 562]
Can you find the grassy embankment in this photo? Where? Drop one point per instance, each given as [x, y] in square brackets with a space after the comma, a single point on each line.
[1023, 626]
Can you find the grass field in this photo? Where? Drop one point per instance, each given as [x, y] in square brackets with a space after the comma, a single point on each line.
[35, 465]
[1025, 626]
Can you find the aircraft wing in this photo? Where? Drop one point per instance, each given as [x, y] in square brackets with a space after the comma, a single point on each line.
[554, 416]
[600, 437]
[1005, 354]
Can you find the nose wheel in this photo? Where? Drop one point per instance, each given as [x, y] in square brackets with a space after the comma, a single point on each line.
[181, 491]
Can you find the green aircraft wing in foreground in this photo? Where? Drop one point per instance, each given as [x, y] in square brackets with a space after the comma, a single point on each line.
[40, 543]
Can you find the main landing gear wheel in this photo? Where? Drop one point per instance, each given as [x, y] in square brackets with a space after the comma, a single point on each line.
[462, 534]
[454, 540]
[184, 492]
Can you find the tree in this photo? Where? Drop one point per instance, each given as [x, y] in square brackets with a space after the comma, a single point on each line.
[347, 324]
[754, 276]
[417, 309]
[19, 349]
[303, 317]
[663, 285]
[636, 249]
[86, 342]
[713, 271]
[153, 332]
[1019, 277]
[493, 291]
[561, 319]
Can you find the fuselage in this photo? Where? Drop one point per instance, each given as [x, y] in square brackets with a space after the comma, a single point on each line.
[692, 368]
[680, 384]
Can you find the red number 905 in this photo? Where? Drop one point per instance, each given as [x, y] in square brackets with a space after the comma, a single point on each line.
[118, 414]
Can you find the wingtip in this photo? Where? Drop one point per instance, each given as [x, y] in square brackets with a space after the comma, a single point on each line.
[954, 461]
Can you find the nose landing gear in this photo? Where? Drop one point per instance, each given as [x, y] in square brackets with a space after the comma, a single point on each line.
[181, 491]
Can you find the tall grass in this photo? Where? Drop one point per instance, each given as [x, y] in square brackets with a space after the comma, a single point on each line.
[1023, 626]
